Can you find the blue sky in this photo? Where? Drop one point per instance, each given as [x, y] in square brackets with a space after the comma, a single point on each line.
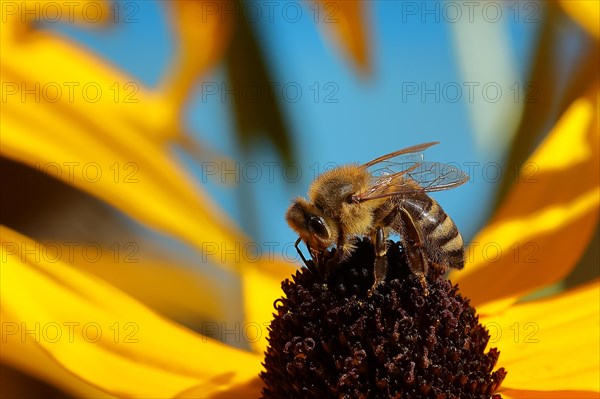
[354, 119]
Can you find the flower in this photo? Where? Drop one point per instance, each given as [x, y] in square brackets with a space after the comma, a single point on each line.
[91, 333]
[338, 340]
[166, 360]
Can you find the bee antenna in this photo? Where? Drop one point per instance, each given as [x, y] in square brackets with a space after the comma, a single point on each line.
[300, 252]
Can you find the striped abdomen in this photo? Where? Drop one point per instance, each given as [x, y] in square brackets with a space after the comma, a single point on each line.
[439, 237]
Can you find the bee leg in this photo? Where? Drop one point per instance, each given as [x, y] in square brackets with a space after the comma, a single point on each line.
[321, 266]
[424, 284]
[418, 265]
[334, 261]
[413, 245]
[381, 266]
[439, 268]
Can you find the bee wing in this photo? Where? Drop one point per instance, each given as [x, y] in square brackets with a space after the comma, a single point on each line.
[390, 167]
[393, 175]
[409, 154]
[436, 176]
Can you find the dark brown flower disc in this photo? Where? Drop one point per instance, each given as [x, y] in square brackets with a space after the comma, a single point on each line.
[332, 340]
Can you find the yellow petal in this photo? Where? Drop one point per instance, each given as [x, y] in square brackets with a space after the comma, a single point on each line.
[174, 288]
[104, 337]
[346, 22]
[586, 13]
[261, 286]
[250, 389]
[203, 35]
[89, 12]
[548, 218]
[87, 82]
[521, 394]
[30, 359]
[104, 147]
[550, 345]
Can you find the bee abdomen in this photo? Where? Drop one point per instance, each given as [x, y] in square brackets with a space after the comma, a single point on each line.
[442, 239]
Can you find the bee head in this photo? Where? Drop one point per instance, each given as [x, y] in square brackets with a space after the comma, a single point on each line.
[313, 226]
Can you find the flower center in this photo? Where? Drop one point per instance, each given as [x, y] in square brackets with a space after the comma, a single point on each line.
[334, 340]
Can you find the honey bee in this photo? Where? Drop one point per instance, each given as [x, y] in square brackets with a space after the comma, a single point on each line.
[383, 196]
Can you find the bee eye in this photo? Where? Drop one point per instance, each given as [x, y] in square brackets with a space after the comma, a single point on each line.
[317, 225]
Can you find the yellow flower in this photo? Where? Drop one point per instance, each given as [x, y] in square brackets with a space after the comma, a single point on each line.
[140, 354]
[70, 326]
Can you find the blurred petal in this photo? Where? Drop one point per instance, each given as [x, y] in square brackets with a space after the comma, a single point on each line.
[104, 147]
[54, 11]
[178, 291]
[261, 286]
[255, 121]
[548, 218]
[493, 122]
[26, 356]
[108, 339]
[250, 389]
[345, 20]
[586, 13]
[523, 394]
[203, 35]
[537, 107]
[550, 345]
[72, 75]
